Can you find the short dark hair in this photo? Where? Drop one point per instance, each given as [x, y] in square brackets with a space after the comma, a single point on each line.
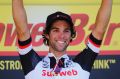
[54, 17]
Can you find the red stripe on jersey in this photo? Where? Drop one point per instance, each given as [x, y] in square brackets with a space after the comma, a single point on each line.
[25, 46]
[96, 45]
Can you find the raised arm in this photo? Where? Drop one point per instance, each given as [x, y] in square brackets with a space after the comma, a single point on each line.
[20, 19]
[102, 19]
[87, 57]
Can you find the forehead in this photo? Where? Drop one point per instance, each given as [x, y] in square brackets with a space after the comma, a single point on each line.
[60, 24]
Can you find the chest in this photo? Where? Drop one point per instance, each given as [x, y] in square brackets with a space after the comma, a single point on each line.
[70, 71]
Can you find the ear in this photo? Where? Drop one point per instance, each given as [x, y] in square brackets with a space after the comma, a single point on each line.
[71, 39]
[47, 36]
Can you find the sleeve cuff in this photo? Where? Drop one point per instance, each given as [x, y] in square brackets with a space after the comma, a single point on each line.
[94, 41]
[24, 44]
[94, 44]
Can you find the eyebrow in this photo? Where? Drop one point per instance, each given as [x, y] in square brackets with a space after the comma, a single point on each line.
[54, 28]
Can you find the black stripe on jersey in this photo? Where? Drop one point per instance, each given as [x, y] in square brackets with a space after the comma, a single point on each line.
[60, 63]
[26, 42]
[86, 59]
[29, 61]
[52, 62]
[96, 41]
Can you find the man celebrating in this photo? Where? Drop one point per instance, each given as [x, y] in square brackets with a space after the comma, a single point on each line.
[57, 34]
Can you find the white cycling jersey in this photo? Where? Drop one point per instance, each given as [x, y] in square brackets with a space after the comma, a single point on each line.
[49, 67]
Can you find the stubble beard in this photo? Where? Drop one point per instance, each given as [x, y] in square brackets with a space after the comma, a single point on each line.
[58, 48]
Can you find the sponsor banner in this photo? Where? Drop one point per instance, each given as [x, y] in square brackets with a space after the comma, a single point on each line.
[83, 13]
[105, 67]
[83, 18]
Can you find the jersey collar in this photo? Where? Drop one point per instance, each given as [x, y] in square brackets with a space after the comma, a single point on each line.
[65, 56]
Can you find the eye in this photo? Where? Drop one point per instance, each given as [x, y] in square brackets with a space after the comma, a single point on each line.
[55, 30]
[67, 30]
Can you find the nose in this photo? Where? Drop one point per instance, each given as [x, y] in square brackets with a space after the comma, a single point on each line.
[61, 35]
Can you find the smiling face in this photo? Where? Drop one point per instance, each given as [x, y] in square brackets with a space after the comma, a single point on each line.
[59, 36]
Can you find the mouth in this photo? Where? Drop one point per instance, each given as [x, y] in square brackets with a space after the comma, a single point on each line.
[61, 42]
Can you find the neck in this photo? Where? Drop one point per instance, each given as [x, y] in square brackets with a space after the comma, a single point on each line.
[57, 54]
